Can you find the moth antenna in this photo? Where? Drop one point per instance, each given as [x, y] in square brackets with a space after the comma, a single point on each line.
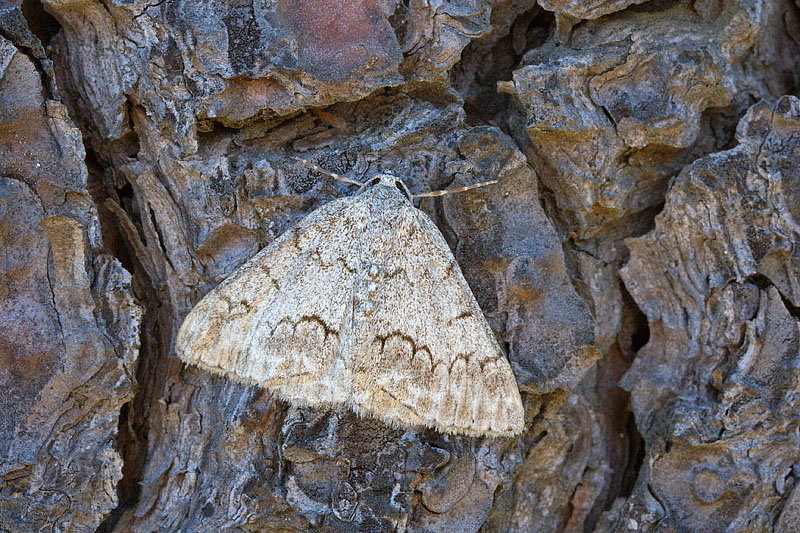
[453, 191]
[329, 174]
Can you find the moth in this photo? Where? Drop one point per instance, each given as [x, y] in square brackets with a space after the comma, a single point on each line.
[361, 304]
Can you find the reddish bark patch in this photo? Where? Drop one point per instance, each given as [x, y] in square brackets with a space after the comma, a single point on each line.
[337, 37]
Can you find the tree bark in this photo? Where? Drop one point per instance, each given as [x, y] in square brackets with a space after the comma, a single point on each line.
[637, 260]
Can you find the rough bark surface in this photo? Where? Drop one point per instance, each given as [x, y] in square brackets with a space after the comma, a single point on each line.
[69, 337]
[638, 259]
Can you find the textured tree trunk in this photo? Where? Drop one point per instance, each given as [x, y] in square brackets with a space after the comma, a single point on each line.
[638, 260]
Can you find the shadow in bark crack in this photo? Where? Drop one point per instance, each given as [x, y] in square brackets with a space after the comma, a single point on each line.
[493, 58]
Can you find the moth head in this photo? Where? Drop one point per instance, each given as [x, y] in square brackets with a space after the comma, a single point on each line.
[391, 181]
